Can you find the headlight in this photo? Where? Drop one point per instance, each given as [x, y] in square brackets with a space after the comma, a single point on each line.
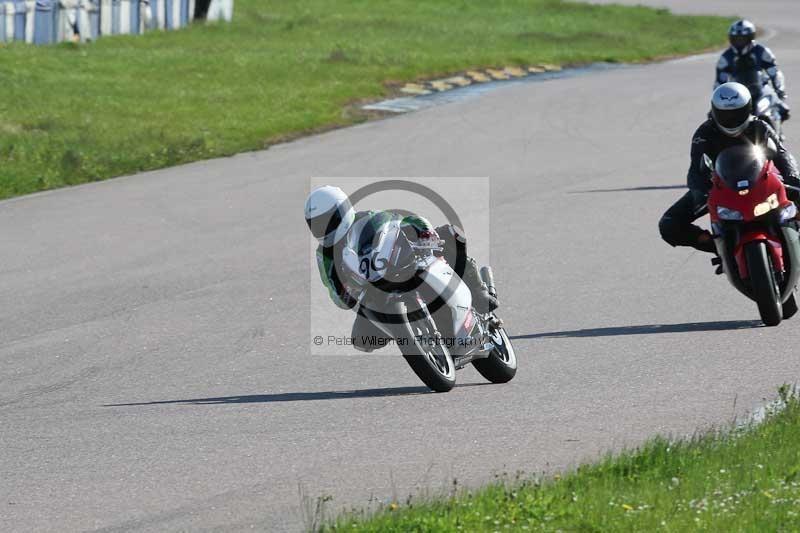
[788, 212]
[765, 207]
[728, 214]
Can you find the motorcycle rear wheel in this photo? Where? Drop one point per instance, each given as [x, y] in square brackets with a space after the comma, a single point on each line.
[762, 278]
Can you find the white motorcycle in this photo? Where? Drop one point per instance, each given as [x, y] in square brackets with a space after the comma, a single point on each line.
[415, 297]
[766, 103]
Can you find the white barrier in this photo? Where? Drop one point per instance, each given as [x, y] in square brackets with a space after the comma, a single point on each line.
[49, 21]
[220, 10]
[6, 22]
[105, 17]
[67, 23]
[89, 21]
[30, 10]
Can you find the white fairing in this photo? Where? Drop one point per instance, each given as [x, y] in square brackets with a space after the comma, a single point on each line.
[438, 276]
[371, 267]
[763, 106]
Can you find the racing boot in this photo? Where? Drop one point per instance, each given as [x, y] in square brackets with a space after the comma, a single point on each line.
[705, 242]
[717, 261]
[483, 301]
[785, 111]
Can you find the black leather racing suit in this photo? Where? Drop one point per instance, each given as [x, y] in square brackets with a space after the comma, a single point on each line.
[676, 225]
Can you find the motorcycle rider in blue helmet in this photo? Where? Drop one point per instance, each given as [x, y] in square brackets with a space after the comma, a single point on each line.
[741, 36]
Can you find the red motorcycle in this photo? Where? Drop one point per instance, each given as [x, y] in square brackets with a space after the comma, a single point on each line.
[755, 230]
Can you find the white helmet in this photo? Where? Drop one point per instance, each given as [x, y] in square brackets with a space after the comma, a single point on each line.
[329, 214]
[731, 108]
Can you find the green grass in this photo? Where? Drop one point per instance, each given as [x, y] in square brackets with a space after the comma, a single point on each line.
[76, 113]
[741, 480]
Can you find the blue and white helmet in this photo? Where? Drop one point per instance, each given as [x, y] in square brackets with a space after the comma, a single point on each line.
[329, 214]
[732, 108]
[741, 35]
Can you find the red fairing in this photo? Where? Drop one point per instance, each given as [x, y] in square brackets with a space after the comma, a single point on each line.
[769, 183]
[775, 249]
[469, 321]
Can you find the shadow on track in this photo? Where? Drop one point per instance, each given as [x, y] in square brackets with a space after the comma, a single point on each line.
[297, 396]
[633, 189]
[648, 329]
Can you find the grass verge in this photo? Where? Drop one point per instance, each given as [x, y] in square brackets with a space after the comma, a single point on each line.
[76, 113]
[744, 480]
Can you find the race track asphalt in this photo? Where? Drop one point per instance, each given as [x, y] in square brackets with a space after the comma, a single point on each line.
[155, 369]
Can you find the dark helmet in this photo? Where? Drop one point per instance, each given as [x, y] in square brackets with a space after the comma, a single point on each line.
[732, 108]
[741, 35]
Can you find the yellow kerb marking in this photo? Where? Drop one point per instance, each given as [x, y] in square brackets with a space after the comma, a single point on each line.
[441, 85]
[414, 88]
[480, 77]
[551, 68]
[461, 81]
[497, 74]
[515, 71]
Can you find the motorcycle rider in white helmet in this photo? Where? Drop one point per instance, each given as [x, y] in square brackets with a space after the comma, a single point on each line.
[741, 36]
[330, 216]
[732, 123]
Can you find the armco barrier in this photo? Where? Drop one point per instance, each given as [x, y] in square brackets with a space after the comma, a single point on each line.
[122, 17]
[30, 19]
[90, 19]
[130, 21]
[52, 21]
[187, 12]
[157, 8]
[45, 14]
[3, 25]
[20, 19]
[105, 17]
[67, 21]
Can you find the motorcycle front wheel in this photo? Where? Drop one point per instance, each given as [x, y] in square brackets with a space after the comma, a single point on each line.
[789, 307]
[765, 288]
[428, 356]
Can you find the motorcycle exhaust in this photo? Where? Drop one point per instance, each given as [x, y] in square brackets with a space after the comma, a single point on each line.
[488, 278]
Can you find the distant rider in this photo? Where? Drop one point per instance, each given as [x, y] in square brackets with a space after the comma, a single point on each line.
[741, 35]
[732, 123]
[330, 216]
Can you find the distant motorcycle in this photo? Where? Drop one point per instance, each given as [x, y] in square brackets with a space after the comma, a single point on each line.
[766, 103]
[415, 297]
[755, 230]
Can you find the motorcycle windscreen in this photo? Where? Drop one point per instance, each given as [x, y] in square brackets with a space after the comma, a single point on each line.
[740, 167]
